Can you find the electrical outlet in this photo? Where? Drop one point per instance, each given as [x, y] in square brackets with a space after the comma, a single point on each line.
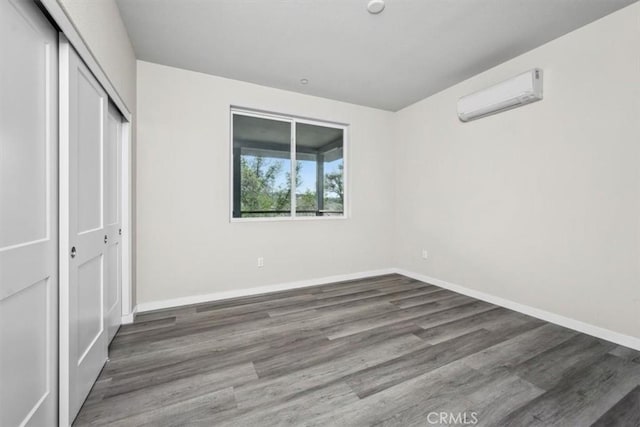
[260, 262]
[425, 254]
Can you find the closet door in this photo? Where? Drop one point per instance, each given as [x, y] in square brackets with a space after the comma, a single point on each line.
[28, 217]
[83, 235]
[113, 223]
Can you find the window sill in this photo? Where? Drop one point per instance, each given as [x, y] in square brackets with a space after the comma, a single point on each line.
[290, 219]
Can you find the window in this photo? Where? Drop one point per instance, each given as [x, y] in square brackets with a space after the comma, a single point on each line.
[274, 154]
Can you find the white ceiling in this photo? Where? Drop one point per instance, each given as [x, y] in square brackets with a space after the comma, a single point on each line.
[413, 49]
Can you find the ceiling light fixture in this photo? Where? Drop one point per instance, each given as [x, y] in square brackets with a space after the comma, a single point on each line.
[375, 6]
[304, 81]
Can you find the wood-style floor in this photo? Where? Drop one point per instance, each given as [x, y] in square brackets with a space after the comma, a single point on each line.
[384, 351]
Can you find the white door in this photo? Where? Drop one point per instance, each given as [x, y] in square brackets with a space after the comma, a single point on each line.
[113, 223]
[83, 231]
[28, 216]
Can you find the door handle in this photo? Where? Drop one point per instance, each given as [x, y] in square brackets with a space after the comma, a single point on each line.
[73, 252]
[105, 239]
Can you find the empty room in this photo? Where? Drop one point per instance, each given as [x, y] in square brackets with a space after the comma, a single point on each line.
[319, 213]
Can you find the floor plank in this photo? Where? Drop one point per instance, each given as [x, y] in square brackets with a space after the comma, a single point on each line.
[268, 388]
[624, 413]
[157, 395]
[550, 367]
[582, 398]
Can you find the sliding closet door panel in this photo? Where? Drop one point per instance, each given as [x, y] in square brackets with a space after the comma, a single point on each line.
[89, 153]
[23, 100]
[28, 217]
[88, 306]
[113, 154]
[113, 226]
[113, 284]
[28, 386]
[84, 105]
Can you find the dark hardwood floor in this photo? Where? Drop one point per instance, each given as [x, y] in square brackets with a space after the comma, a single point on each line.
[384, 351]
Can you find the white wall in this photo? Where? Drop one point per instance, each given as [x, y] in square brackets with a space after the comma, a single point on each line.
[539, 205]
[186, 244]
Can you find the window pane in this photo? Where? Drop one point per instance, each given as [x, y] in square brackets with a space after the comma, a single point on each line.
[261, 167]
[319, 170]
[334, 185]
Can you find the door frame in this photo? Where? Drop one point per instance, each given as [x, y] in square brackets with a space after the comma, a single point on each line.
[64, 50]
[70, 34]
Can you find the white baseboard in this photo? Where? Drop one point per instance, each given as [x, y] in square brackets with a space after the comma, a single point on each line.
[129, 318]
[596, 331]
[216, 296]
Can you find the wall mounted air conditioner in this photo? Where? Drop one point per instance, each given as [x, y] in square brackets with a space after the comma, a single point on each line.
[520, 90]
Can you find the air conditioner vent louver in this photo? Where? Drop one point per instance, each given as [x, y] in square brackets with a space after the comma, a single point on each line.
[520, 90]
